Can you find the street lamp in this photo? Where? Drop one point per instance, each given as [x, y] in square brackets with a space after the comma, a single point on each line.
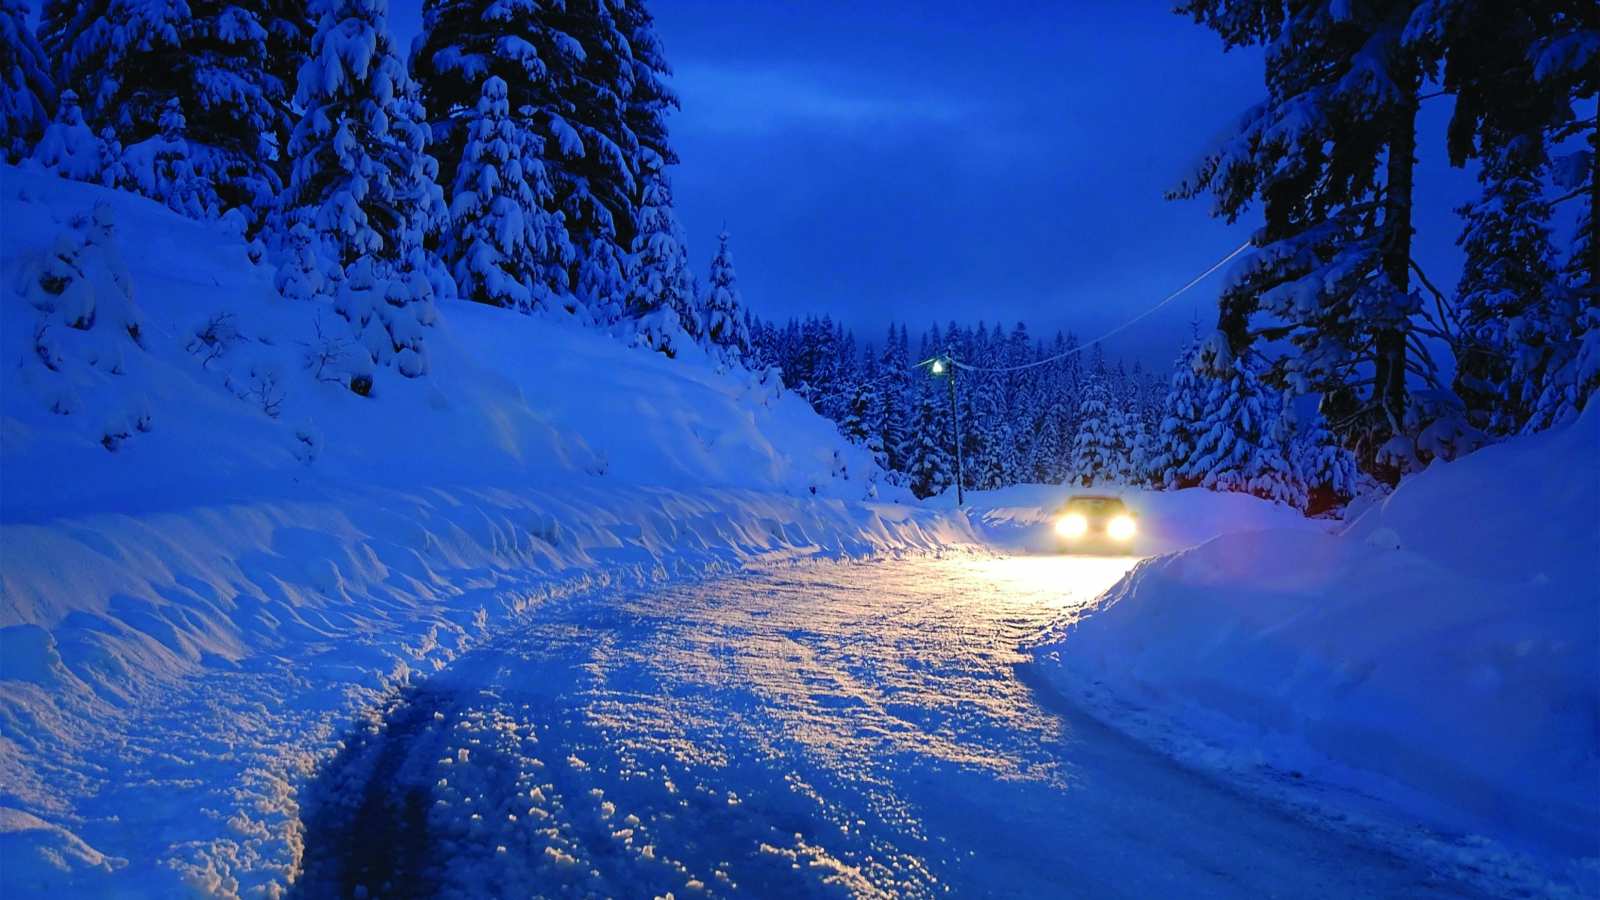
[938, 366]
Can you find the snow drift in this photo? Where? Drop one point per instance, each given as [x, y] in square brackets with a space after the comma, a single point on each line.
[214, 555]
[1442, 652]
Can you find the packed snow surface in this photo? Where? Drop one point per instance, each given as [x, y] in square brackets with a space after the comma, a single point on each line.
[1442, 653]
[854, 730]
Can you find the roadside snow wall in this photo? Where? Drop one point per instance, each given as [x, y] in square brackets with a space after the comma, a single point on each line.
[1443, 652]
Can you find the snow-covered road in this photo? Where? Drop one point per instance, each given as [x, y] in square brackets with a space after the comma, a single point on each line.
[856, 729]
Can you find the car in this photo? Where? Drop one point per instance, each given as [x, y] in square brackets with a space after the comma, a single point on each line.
[1089, 521]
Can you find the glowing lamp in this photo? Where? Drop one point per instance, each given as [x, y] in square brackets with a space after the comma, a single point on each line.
[938, 367]
[1121, 528]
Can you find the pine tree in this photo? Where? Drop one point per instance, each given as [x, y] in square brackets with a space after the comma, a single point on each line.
[1509, 275]
[856, 426]
[505, 248]
[724, 327]
[361, 177]
[1175, 439]
[1321, 473]
[1235, 430]
[159, 167]
[27, 93]
[1330, 154]
[301, 273]
[928, 463]
[1126, 434]
[650, 96]
[464, 43]
[1519, 74]
[363, 183]
[228, 65]
[71, 149]
[1097, 457]
[1048, 452]
[895, 371]
[661, 297]
[602, 184]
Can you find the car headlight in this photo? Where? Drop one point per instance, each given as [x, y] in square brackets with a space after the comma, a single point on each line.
[1121, 528]
[1072, 525]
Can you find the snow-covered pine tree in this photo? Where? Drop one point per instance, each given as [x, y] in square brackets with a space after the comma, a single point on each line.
[159, 167]
[1235, 445]
[1509, 276]
[463, 43]
[71, 149]
[894, 370]
[1047, 452]
[1141, 432]
[505, 247]
[1174, 441]
[856, 424]
[361, 175]
[1517, 98]
[725, 328]
[595, 159]
[1322, 473]
[661, 297]
[228, 64]
[929, 468]
[27, 93]
[301, 272]
[650, 96]
[363, 182]
[1566, 71]
[1330, 153]
[1095, 450]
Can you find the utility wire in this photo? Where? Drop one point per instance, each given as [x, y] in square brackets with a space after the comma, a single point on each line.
[1102, 338]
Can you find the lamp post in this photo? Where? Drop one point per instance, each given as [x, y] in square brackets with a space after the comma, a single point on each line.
[945, 365]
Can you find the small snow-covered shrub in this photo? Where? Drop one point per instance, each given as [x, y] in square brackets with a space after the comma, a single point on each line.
[261, 385]
[85, 320]
[302, 274]
[328, 358]
[660, 331]
[308, 443]
[71, 149]
[212, 340]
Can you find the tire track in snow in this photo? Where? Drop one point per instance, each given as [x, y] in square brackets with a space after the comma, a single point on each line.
[852, 730]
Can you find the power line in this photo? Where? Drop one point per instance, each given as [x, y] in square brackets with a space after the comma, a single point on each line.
[1102, 338]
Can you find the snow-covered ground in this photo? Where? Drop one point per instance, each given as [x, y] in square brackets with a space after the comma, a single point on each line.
[1440, 657]
[571, 591]
[826, 730]
[213, 559]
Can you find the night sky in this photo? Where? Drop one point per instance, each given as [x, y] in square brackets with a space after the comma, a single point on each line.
[922, 160]
[934, 160]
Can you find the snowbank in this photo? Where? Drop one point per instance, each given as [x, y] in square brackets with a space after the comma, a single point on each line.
[1022, 518]
[213, 558]
[1443, 652]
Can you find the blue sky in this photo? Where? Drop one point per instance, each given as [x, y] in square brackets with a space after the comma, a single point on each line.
[937, 160]
[934, 160]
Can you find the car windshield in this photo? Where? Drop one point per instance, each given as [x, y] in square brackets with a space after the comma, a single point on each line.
[1096, 506]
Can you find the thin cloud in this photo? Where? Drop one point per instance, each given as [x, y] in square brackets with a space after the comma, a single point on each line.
[762, 99]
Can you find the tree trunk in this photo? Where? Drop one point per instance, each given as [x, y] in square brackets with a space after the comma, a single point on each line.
[1389, 389]
[1593, 262]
